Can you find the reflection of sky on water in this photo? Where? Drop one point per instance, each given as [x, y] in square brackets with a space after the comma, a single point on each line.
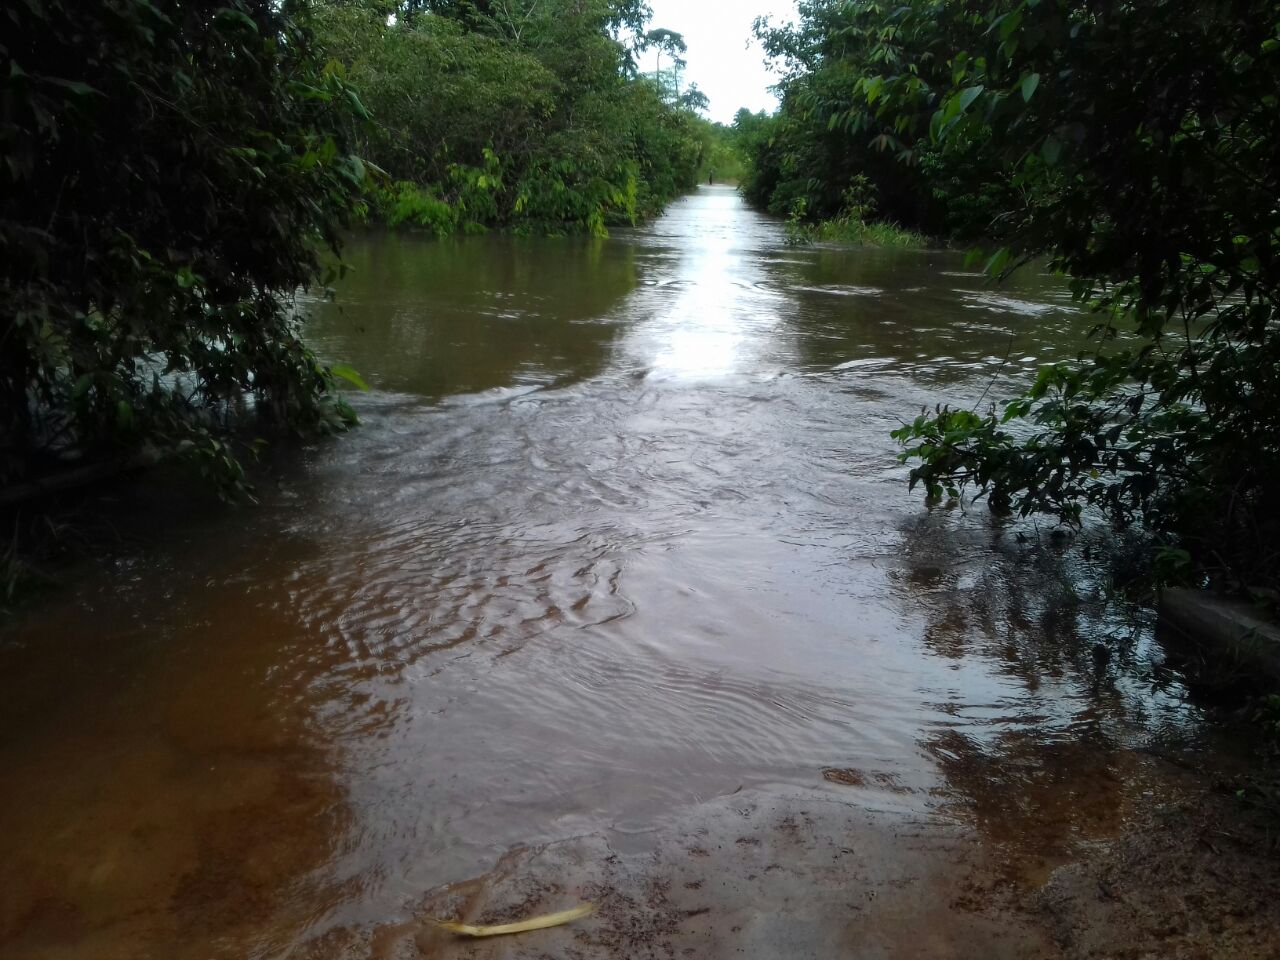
[702, 315]
[721, 295]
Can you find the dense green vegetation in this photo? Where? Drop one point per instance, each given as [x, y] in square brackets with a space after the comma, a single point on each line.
[1134, 145]
[828, 181]
[529, 114]
[722, 157]
[173, 171]
[169, 175]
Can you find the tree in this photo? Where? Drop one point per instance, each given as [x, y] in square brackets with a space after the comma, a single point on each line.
[515, 113]
[168, 176]
[813, 156]
[1133, 145]
[694, 99]
[661, 40]
[623, 20]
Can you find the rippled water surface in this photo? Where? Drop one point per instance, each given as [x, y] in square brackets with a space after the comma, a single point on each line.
[623, 531]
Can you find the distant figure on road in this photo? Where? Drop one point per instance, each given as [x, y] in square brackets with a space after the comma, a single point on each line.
[711, 179]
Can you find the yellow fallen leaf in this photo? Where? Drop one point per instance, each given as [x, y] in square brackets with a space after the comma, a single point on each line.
[533, 923]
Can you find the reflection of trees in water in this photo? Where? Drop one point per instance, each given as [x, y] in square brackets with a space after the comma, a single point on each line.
[1036, 796]
[1054, 761]
[1035, 601]
[437, 317]
[925, 312]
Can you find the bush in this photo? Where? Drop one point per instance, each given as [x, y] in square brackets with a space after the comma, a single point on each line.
[168, 175]
[528, 116]
[1135, 147]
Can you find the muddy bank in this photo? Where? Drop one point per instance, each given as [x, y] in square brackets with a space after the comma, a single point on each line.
[1196, 878]
[755, 874]
[1187, 874]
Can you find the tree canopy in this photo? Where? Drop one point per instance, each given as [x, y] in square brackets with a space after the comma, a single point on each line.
[169, 175]
[523, 113]
[1133, 145]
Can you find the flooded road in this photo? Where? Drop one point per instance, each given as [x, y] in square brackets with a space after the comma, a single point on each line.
[621, 551]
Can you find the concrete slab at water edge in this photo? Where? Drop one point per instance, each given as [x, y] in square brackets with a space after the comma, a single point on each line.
[1224, 630]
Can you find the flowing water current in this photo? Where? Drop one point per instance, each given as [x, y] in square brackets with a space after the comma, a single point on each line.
[622, 535]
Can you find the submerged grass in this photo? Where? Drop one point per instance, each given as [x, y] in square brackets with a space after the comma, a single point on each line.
[855, 231]
[856, 223]
[879, 234]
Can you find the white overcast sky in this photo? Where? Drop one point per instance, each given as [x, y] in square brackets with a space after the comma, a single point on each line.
[730, 73]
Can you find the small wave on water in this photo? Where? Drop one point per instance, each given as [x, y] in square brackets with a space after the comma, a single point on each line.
[623, 530]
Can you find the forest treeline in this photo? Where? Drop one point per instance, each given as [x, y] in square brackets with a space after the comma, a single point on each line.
[1131, 146]
[173, 171]
[532, 114]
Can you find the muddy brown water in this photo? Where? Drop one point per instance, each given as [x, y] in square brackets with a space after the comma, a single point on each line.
[621, 555]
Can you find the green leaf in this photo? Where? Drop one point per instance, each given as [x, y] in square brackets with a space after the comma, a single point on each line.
[75, 86]
[999, 260]
[349, 374]
[361, 110]
[1051, 150]
[1029, 84]
[237, 18]
[970, 94]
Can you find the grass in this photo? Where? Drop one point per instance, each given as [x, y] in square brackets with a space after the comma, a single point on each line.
[855, 231]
